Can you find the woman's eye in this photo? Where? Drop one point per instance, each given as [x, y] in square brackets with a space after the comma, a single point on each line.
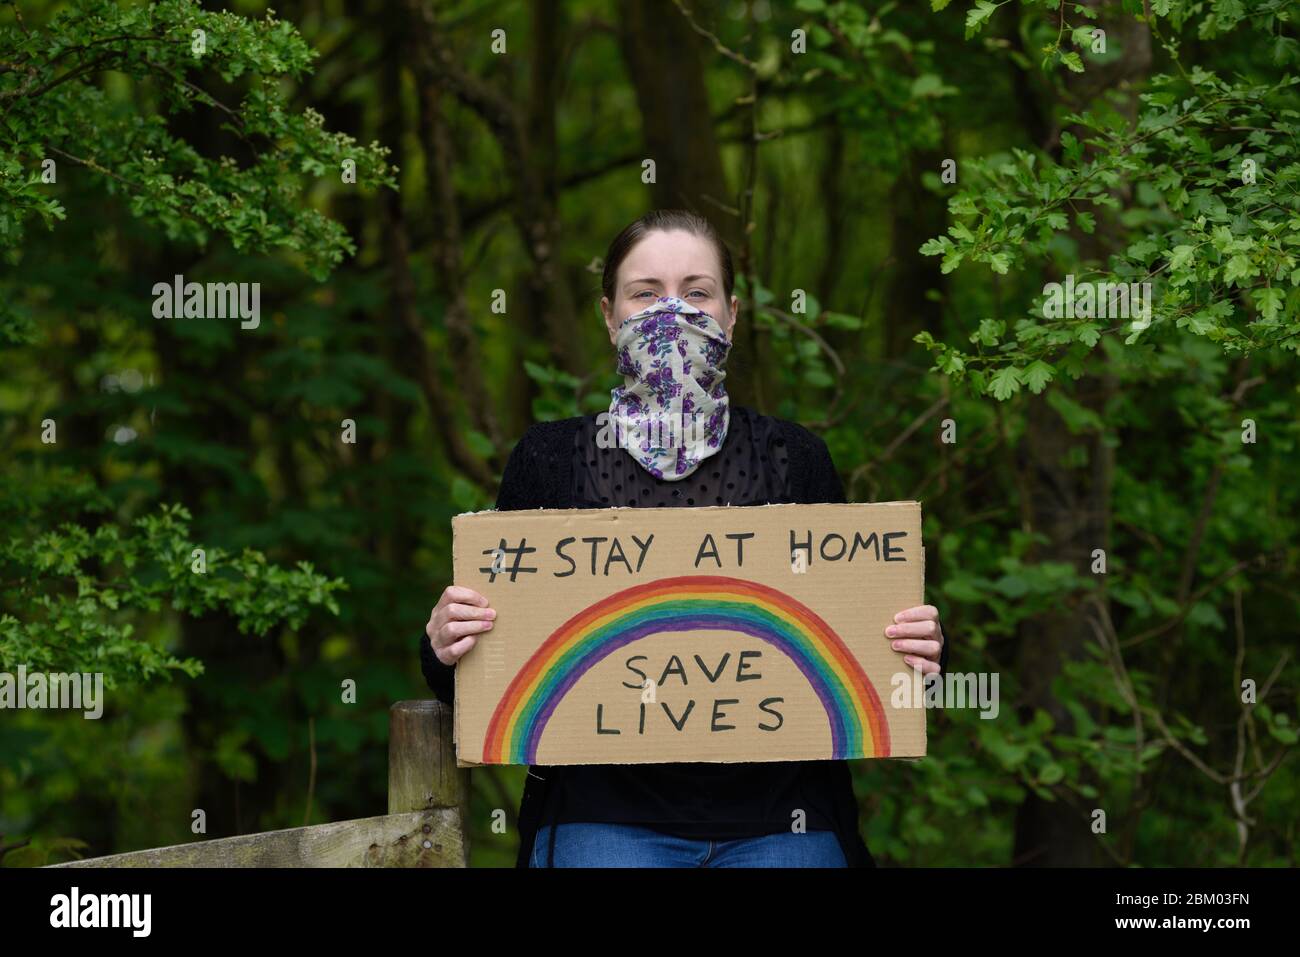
[698, 292]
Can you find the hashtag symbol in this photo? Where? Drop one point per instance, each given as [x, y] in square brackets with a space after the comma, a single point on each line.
[498, 560]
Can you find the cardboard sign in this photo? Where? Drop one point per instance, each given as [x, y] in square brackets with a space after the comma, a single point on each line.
[645, 635]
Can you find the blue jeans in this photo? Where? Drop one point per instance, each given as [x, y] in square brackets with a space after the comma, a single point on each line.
[630, 845]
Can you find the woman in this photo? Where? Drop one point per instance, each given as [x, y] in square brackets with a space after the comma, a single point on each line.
[669, 306]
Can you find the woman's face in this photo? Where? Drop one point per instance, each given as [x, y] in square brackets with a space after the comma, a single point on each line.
[669, 263]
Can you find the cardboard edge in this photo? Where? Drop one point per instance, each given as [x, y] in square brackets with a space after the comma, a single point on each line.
[463, 762]
[513, 514]
[717, 761]
[489, 511]
[925, 712]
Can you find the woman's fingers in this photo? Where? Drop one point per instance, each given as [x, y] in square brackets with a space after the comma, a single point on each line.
[919, 613]
[452, 631]
[456, 650]
[460, 612]
[465, 596]
[923, 665]
[456, 621]
[928, 628]
[917, 633]
[456, 612]
[918, 646]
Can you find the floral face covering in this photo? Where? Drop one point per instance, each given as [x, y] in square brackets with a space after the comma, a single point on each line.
[671, 413]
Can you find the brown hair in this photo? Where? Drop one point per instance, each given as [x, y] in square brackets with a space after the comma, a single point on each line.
[665, 219]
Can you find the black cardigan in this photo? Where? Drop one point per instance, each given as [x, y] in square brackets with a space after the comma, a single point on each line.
[539, 474]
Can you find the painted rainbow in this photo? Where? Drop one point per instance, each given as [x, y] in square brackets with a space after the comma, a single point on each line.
[689, 603]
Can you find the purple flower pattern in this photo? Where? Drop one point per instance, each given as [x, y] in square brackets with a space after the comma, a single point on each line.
[686, 388]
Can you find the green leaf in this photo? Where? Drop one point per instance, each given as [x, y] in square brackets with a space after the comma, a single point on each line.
[818, 377]
[1088, 333]
[1005, 383]
[841, 320]
[989, 331]
[479, 442]
[929, 85]
[1239, 267]
[1037, 375]
[1051, 773]
[1077, 418]
[978, 15]
[1181, 257]
[463, 494]
[1071, 59]
[1268, 301]
[538, 373]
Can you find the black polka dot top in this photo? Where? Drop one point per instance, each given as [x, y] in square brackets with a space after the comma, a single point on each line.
[752, 466]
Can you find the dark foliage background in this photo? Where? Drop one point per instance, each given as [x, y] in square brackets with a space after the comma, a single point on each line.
[445, 296]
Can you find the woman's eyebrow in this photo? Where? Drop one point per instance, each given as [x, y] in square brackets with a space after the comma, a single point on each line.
[659, 282]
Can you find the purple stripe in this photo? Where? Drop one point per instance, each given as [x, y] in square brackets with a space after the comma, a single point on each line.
[683, 623]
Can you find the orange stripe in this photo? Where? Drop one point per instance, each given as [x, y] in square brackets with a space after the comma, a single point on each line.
[682, 587]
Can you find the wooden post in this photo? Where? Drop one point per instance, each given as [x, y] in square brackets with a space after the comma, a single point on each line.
[422, 772]
[428, 805]
[432, 838]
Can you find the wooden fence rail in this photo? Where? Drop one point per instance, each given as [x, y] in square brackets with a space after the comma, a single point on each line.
[425, 825]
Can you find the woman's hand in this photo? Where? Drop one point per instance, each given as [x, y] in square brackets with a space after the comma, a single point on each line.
[455, 622]
[917, 633]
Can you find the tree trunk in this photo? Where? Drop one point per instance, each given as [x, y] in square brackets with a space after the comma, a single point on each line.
[1071, 505]
[676, 118]
[917, 214]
